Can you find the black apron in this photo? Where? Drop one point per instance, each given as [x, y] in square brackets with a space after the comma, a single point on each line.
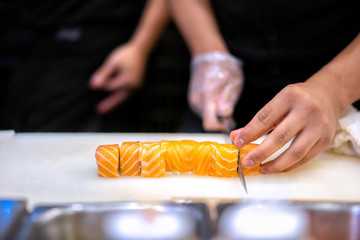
[283, 42]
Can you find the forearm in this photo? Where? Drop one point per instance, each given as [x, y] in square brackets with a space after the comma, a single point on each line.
[342, 75]
[198, 26]
[152, 23]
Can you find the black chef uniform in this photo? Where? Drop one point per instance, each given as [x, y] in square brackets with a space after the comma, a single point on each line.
[50, 90]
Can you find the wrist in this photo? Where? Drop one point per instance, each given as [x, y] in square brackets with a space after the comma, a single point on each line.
[215, 56]
[140, 45]
[330, 81]
[343, 74]
[203, 48]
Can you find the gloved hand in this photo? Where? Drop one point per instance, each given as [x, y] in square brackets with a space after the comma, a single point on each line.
[215, 87]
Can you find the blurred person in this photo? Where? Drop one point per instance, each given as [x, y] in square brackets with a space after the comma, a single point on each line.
[291, 68]
[55, 88]
[122, 72]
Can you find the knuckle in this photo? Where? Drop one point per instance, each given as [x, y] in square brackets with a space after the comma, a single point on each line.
[297, 153]
[264, 116]
[325, 123]
[312, 106]
[282, 137]
[292, 91]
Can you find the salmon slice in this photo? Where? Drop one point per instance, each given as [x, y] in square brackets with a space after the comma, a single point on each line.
[163, 152]
[203, 158]
[174, 158]
[107, 160]
[243, 151]
[130, 159]
[164, 145]
[225, 160]
[152, 165]
[188, 148]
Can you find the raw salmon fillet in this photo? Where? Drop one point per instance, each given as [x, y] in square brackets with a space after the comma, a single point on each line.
[203, 158]
[158, 159]
[151, 163]
[130, 159]
[188, 148]
[225, 160]
[177, 156]
[107, 160]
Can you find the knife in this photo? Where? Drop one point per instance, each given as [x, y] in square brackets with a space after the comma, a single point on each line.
[231, 125]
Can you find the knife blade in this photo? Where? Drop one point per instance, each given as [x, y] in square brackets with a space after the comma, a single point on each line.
[229, 122]
[241, 173]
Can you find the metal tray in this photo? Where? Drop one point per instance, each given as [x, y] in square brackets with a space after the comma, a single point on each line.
[12, 216]
[126, 220]
[288, 220]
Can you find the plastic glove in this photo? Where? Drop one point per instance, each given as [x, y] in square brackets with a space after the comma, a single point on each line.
[120, 75]
[347, 137]
[215, 87]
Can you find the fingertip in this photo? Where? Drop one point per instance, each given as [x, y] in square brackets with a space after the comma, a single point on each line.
[239, 142]
[95, 81]
[234, 133]
[248, 163]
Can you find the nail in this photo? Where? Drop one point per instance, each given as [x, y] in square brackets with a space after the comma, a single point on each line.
[248, 163]
[239, 142]
[264, 171]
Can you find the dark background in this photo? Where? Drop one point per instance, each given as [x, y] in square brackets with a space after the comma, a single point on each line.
[271, 62]
[158, 107]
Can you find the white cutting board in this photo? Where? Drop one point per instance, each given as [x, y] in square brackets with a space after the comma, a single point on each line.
[60, 168]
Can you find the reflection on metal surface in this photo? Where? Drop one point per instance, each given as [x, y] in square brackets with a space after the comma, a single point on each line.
[262, 221]
[296, 220]
[354, 226]
[12, 214]
[247, 219]
[118, 221]
[149, 224]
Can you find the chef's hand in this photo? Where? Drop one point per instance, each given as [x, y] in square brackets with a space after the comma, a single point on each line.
[120, 75]
[215, 86]
[307, 111]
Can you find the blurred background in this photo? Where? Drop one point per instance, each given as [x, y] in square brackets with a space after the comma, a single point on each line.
[49, 51]
[32, 50]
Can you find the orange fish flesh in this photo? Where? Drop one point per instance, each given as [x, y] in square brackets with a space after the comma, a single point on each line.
[107, 160]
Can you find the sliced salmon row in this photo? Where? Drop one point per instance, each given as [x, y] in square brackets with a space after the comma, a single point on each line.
[158, 159]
